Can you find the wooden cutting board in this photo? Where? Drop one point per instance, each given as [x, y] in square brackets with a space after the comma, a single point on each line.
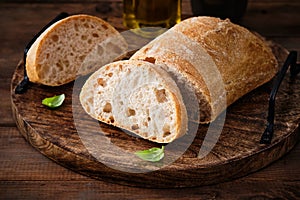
[55, 133]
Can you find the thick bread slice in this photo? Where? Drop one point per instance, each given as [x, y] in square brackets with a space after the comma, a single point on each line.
[69, 48]
[137, 96]
[213, 58]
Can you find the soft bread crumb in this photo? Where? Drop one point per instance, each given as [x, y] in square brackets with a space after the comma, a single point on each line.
[141, 98]
[69, 47]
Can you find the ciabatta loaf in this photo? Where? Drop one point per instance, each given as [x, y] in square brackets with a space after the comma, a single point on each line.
[137, 96]
[217, 60]
[76, 45]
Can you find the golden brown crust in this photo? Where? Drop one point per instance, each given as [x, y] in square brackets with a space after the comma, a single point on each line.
[243, 59]
[204, 47]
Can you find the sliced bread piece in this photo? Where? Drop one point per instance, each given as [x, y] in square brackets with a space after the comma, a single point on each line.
[69, 48]
[217, 60]
[137, 96]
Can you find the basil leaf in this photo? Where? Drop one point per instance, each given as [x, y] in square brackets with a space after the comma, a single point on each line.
[54, 102]
[154, 154]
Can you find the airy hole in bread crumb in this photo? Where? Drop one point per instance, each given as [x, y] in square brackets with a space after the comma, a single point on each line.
[161, 95]
[76, 27]
[166, 134]
[81, 58]
[112, 119]
[147, 49]
[59, 66]
[104, 26]
[66, 62]
[166, 130]
[86, 25]
[107, 108]
[135, 127]
[83, 37]
[110, 74]
[101, 82]
[150, 59]
[130, 112]
[95, 35]
[55, 38]
[88, 110]
[89, 100]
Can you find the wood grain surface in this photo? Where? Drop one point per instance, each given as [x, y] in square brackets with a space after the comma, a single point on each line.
[26, 174]
[73, 139]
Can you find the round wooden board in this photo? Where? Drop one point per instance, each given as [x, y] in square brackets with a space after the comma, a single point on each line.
[237, 152]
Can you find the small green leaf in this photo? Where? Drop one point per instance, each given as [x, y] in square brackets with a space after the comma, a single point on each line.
[154, 154]
[54, 102]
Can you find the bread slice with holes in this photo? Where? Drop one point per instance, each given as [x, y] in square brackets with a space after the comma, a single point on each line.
[137, 96]
[76, 45]
[215, 59]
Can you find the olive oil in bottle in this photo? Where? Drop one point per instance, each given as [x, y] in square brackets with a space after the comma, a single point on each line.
[151, 13]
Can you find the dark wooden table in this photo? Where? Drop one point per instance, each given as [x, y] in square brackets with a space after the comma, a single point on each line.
[26, 174]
